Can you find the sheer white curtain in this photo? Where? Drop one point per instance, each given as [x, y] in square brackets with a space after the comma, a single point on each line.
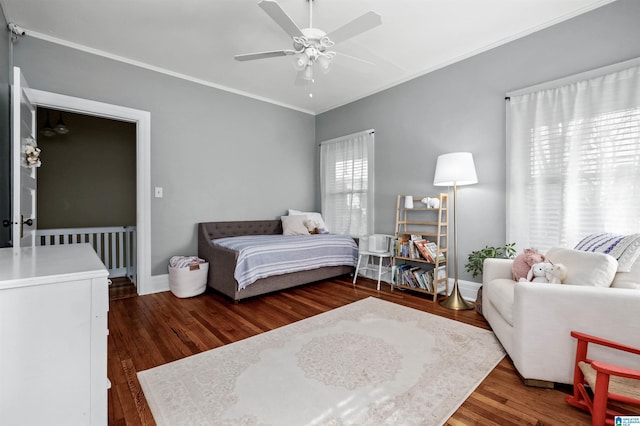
[346, 183]
[573, 159]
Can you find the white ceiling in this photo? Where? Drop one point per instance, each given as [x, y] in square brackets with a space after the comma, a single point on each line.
[197, 39]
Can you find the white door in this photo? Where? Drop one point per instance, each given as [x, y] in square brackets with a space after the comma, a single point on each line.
[23, 137]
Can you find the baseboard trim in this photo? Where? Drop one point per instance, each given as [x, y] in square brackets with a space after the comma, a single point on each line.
[468, 289]
[157, 284]
[539, 383]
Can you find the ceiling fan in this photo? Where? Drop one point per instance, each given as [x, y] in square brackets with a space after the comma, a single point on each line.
[310, 45]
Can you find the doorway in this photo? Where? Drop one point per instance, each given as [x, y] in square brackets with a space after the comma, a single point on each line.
[141, 120]
[87, 187]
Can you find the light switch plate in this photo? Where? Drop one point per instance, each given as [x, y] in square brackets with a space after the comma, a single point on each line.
[158, 192]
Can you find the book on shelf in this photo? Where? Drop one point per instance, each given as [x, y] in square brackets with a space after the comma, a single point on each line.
[397, 273]
[428, 251]
[422, 249]
[417, 274]
[413, 277]
[442, 272]
[407, 279]
[425, 279]
[412, 250]
[432, 249]
[434, 253]
[417, 277]
[401, 244]
[440, 279]
[406, 248]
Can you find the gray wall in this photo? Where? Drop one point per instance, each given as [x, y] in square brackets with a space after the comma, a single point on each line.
[218, 156]
[461, 108]
[5, 133]
[88, 176]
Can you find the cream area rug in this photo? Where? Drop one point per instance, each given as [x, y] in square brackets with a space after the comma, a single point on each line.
[367, 363]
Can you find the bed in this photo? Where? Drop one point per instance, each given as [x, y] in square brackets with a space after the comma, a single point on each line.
[223, 260]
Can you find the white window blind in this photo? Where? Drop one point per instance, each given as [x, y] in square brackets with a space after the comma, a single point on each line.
[573, 155]
[346, 181]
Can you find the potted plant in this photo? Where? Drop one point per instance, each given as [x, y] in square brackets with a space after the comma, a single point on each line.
[475, 262]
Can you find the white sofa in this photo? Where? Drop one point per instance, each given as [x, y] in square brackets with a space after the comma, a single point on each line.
[533, 320]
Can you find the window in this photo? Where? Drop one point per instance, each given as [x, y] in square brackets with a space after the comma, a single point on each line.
[573, 155]
[346, 181]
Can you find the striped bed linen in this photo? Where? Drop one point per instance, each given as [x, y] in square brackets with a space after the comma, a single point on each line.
[262, 256]
[625, 248]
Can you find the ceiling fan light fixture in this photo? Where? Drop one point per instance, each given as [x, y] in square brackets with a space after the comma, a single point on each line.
[312, 53]
[308, 73]
[324, 62]
[301, 61]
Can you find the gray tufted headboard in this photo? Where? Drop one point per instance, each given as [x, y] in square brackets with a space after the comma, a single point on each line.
[236, 228]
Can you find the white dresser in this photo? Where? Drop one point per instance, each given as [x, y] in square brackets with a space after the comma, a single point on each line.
[53, 336]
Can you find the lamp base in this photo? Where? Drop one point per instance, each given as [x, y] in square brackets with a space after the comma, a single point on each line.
[455, 300]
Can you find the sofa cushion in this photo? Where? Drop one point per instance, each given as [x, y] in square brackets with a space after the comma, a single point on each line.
[502, 290]
[629, 279]
[585, 268]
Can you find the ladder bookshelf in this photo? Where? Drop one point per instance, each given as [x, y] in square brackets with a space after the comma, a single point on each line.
[421, 252]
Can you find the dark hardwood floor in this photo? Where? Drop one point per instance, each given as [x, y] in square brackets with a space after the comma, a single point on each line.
[121, 288]
[148, 331]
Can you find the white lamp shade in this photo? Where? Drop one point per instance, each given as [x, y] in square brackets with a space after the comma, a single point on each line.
[455, 168]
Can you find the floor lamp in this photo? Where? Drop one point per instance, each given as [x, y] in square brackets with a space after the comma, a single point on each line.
[455, 169]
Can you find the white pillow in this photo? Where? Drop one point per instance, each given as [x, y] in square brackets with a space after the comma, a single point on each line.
[313, 216]
[629, 279]
[585, 268]
[630, 255]
[294, 225]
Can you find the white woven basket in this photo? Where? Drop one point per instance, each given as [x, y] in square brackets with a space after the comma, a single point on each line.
[189, 281]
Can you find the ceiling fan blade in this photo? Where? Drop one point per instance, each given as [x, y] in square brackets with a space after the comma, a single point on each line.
[355, 58]
[368, 53]
[263, 55]
[273, 9]
[359, 25]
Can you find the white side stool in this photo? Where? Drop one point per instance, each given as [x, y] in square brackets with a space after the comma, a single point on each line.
[376, 245]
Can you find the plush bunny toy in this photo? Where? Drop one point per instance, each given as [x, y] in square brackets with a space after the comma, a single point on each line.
[524, 261]
[555, 274]
[537, 273]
